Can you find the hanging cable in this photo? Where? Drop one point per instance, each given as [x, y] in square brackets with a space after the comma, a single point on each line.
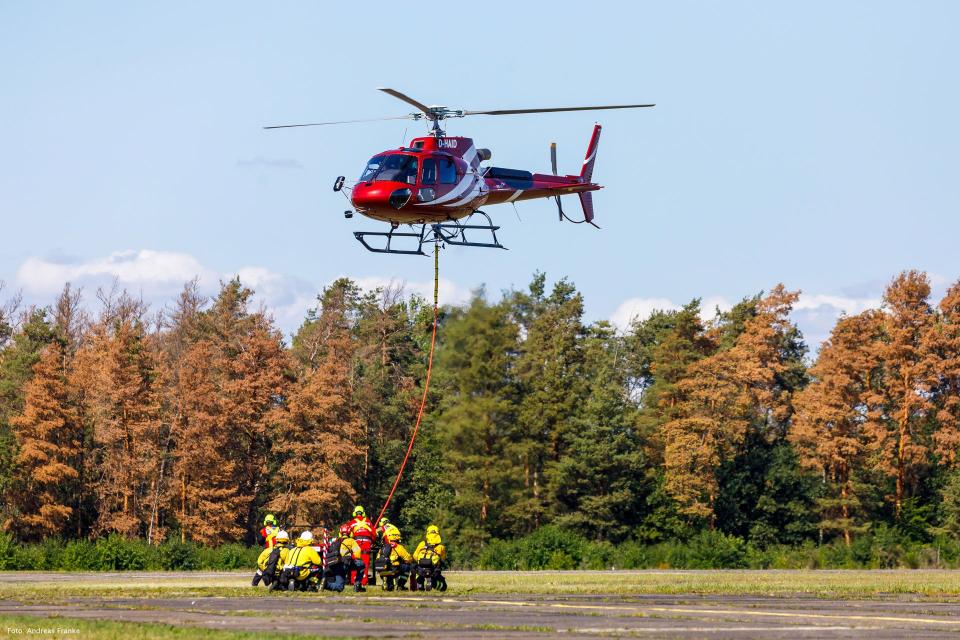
[426, 383]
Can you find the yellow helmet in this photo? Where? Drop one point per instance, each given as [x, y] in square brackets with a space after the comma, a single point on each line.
[433, 529]
[269, 520]
[358, 511]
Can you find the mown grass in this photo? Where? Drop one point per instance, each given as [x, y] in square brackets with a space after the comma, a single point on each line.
[940, 584]
[65, 627]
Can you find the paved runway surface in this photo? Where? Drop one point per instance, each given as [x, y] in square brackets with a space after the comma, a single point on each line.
[527, 616]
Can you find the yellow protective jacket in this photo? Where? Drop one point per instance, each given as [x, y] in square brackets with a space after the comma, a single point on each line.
[350, 549]
[303, 557]
[437, 553]
[399, 554]
[265, 555]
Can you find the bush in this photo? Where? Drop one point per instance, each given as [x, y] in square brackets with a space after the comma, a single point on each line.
[8, 552]
[716, 550]
[78, 555]
[179, 556]
[237, 556]
[115, 553]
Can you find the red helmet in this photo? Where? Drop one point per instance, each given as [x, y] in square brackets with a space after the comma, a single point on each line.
[345, 530]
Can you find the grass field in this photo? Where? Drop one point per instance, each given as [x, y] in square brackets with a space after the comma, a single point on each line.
[938, 584]
[62, 627]
[879, 605]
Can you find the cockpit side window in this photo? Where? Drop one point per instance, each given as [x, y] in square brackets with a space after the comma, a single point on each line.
[429, 175]
[448, 171]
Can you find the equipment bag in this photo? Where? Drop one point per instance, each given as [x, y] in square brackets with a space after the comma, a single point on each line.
[331, 555]
[382, 564]
[272, 560]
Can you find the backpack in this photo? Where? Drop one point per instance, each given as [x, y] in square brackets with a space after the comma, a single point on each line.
[331, 555]
[429, 555]
[382, 564]
[272, 560]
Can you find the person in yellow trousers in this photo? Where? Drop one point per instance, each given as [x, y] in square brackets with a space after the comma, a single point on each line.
[272, 559]
[429, 557]
[303, 566]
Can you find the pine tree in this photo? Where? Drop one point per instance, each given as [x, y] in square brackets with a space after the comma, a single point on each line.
[50, 441]
[20, 353]
[476, 416]
[320, 434]
[598, 485]
[116, 371]
[230, 381]
[943, 342]
[677, 341]
[550, 370]
[830, 430]
[722, 397]
[898, 442]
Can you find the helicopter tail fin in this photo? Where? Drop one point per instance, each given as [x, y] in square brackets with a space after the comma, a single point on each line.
[586, 173]
[586, 201]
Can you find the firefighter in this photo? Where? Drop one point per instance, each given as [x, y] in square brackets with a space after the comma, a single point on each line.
[303, 566]
[429, 557]
[272, 559]
[386, 529]
[361, 530]
[393, 560]
[341, 558]
[268, 532]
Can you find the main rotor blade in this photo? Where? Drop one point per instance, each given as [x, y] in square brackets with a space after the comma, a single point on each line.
[508, 112]
[407, 99]
[318, 124]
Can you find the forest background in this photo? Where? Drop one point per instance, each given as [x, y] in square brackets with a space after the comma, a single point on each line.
[137, 437]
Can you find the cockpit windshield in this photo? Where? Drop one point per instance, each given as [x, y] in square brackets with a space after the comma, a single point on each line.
[392, 167]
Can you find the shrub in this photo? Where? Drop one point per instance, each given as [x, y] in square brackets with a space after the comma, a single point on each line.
[179, 556]
[78, 555]
[536, 550]
[8, 552]
[600, 555]
[237, 556]
[715, 550]
[116, 553]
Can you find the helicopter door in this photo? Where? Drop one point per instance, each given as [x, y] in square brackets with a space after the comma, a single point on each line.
[428, 180]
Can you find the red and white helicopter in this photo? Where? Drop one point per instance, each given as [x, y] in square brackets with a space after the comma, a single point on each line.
[438, 181]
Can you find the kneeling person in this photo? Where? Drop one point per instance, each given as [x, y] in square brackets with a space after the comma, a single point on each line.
[429, 557]
[341, 559]
[393, 560]
[303, 565]
[272, 559]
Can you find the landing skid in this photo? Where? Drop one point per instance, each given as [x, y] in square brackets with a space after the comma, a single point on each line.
[452, 233]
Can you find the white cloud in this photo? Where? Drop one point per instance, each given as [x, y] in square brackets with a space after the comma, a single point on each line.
[832, 304]
[157, 276]
[642, 308]
[449, 291]
[815, 314]
[639, 309]
[144, 268]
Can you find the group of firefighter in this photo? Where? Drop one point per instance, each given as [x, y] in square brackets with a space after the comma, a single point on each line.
[320, 559]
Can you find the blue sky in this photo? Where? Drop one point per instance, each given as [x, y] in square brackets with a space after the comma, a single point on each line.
[814, 144]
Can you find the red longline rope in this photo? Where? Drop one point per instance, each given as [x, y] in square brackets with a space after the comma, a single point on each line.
[426, 384]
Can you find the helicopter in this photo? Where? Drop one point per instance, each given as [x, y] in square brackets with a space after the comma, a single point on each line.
[437, 183]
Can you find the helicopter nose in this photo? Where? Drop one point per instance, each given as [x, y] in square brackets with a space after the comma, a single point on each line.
[381, 195]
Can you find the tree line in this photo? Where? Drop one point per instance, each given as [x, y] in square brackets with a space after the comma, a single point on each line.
[191, 421]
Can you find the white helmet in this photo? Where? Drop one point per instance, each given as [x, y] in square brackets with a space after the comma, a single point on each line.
[307, 536]
[282, 535]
